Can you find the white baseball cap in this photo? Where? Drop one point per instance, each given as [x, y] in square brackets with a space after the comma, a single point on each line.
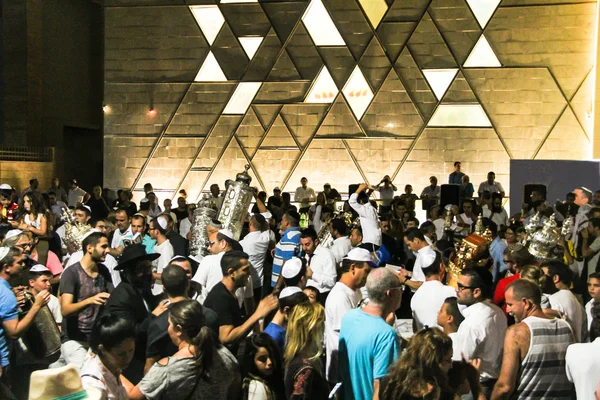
[361, 255]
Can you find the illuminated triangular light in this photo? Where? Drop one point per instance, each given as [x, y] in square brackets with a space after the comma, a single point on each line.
[210, 71]
[320, 26]
[460, 115]
[482, 55]
[358, 93]
[209, 19]
[242, 97]
[251, 44]
[375, 10]
[323, 90]
[440, 80]
[483, 10]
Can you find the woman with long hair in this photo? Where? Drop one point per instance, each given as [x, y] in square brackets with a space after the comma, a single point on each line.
[33, 218]
[262, 369]
[304, 375]
[112, 343]
[422, 370]
[200, 369]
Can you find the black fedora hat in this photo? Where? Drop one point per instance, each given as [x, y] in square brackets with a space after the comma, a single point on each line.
[133, 253]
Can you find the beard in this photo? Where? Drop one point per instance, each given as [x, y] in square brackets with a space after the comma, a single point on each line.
[142, 283]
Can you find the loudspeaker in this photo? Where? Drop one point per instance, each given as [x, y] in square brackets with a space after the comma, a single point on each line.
[530, 187]
[449, 195]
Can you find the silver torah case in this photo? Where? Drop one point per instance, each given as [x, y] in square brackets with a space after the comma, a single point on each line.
[206, 211]
[235, 205]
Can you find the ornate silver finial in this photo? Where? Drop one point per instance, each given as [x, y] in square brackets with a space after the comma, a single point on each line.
[544, 240]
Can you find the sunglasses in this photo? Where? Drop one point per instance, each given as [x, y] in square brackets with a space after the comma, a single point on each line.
[463, 287]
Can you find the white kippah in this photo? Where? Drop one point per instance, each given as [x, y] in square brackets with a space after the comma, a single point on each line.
[39, 268]
[162, 221]
[226, 232]
[3, 252]
[291, 268]
[288, 291]
[13, 233]
[5, 186]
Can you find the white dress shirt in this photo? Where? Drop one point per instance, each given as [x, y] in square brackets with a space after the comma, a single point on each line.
[340, 247]
[369, 221]
[302, 193]
[322, 264]
[588, 313]
[341, 299]
[256, 245]
[109, 262]
[425, 258]
[427, 302]
[567, 304]
[495, 187]
[166, 254]
[116, 240]
[498, 218]
[184, 227]
[583, 367]
[481, 335]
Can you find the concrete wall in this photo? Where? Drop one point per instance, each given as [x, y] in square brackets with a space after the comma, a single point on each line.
[539, 102]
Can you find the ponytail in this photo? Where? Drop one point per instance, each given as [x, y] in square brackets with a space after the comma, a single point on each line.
[189, 315]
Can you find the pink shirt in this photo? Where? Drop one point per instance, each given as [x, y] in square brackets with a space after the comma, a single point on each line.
[53, 263]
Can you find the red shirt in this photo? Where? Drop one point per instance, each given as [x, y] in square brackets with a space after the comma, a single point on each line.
[499, 298]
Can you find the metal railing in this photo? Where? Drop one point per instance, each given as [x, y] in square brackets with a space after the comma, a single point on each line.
[26, 153]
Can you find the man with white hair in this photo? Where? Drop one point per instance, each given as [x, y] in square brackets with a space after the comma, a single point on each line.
[368, 345]
[158, 231]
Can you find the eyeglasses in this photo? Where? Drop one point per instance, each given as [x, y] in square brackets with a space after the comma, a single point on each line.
[209, 243]
[23, 245]
[463, 287]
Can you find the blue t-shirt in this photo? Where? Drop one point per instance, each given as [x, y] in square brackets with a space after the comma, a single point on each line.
[8, 311]
[368, 347]
[277, 333]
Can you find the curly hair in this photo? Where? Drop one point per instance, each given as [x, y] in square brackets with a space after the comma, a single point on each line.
[420, 365]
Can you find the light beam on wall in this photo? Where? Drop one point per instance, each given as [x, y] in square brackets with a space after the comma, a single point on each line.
[210, 71]
[483, 10]
[250, 44]
[375, 10]
[242, 97]
[440, 80]
[460, 115]
[482, 55]
[358, 93]
[209, 19]
[323, 89]
[320, 26]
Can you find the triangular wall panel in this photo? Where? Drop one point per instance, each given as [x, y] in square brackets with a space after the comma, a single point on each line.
[231, 163]
[517, 107]
[352, 25]
[415, 83]
[459, 91]
[322, 153]
[392, 113]
[278, 136]
[229, 53]
[340, 121]
[394, 36]
[374, 64]
[220, 136]
[303, 119]
[378, 157]
[304, 54]
[339, 62]
[264, 59]
[401, 11]
[460, 34]
[250, 132]
[284, 16]
[266, 113]
[428, 48]
[275, 165]
[246, 19]
[582, 104]
[284, 69]
[567, 130]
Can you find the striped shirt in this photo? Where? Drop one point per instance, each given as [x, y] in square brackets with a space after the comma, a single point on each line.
[543, 374]
[284, 250]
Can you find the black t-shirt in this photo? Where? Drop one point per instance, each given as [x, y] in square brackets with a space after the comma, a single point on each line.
[99, 208]
[225, 304]
[274, 201]
[332, 195]
[181, 215]
[74, 280]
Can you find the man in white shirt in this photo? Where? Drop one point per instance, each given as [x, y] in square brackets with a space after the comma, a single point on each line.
[186, 224]
[210, 273]
[344, 296]
[416, 242]
[590, 246]
[56, 206]
[304, 195]
[563, 300]
[215, 191]
[154, 210]
[76, 195]
[491, 185]
[39, 280]
[369, 220]
[123, 222]
[497, 213]
[158, 231]
[321, 271]
[583, 365]
[256, 245]
[429, 298]
[341, 242]
[481, 334]
[386, 192]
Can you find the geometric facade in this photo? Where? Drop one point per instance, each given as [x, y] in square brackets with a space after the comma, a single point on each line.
[396, 87]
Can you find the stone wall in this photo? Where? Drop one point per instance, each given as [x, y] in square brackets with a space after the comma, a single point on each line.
[534, 93]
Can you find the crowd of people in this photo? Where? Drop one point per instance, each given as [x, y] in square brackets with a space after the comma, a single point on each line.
[296, 312]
